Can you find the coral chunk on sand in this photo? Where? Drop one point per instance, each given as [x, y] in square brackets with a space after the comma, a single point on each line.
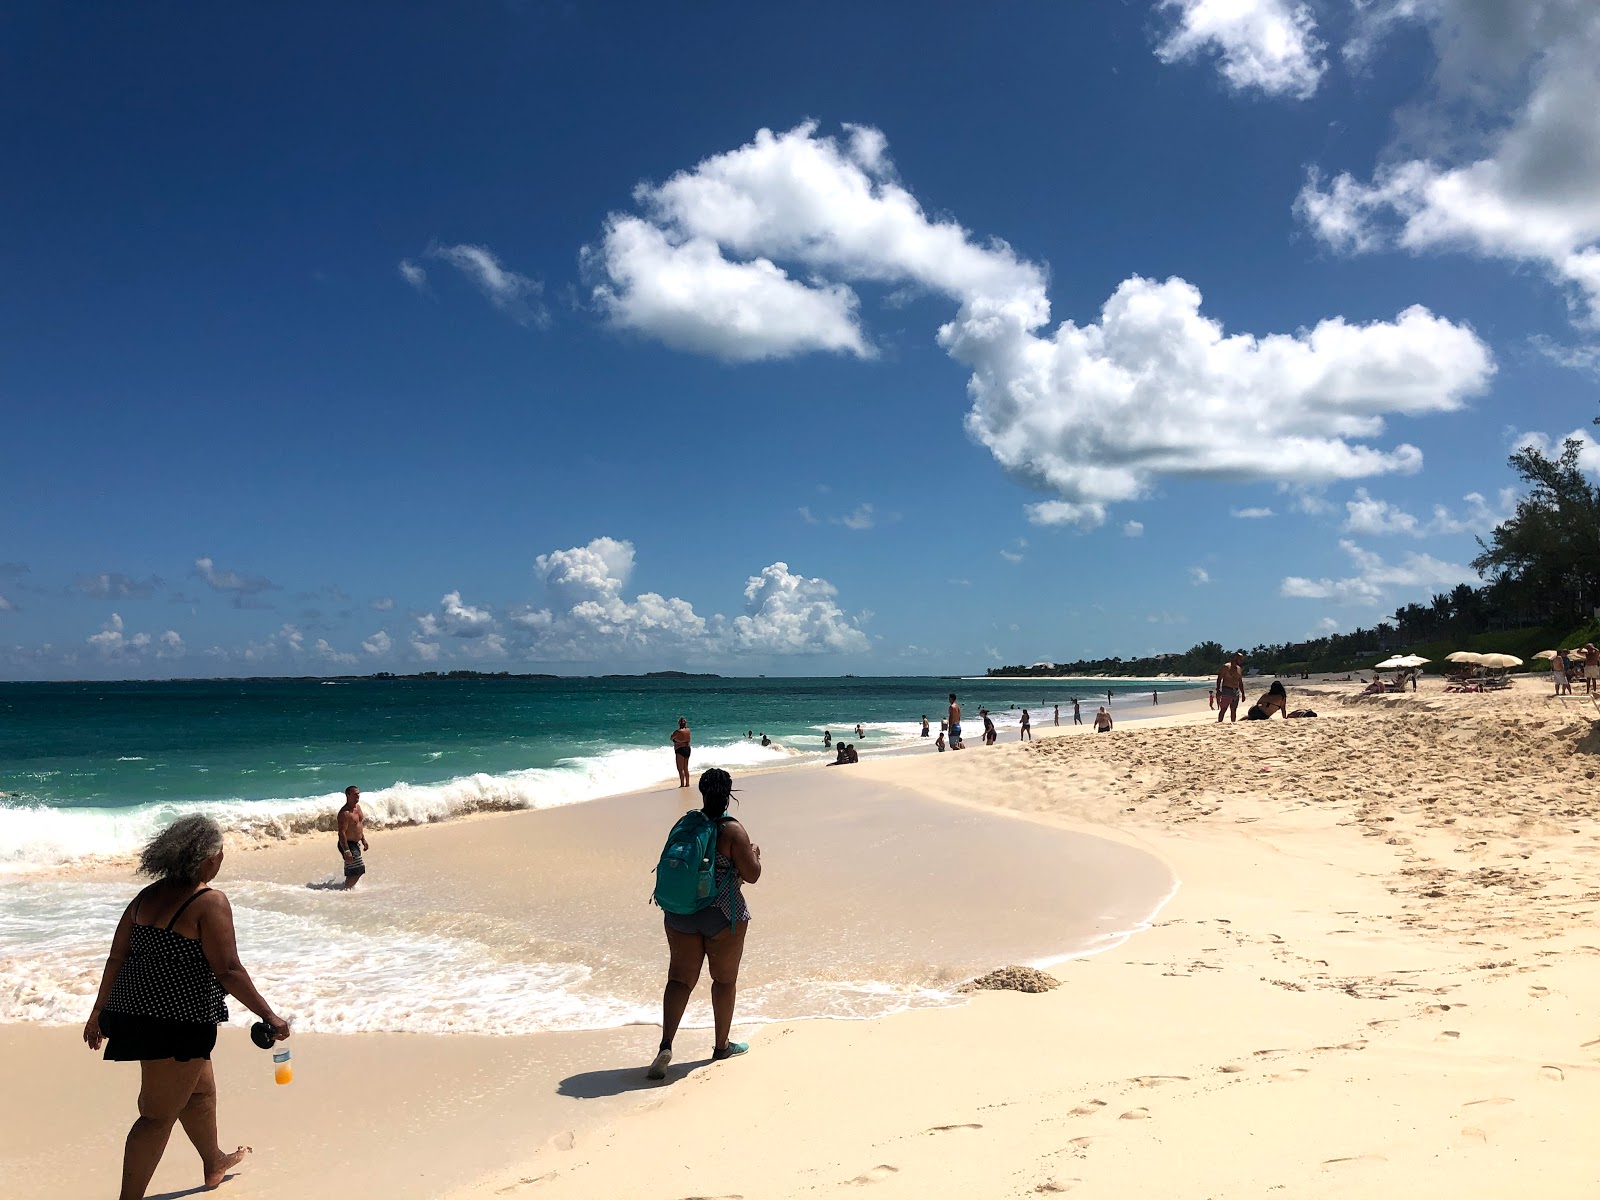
[1012, 979]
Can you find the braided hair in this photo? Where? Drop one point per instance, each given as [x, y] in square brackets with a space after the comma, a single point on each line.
[716, 789]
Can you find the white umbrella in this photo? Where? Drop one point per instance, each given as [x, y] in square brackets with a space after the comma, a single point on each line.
[1411, 660]
[1390, 664]
[1547, 654]
[1500, 662]
[1465, 656]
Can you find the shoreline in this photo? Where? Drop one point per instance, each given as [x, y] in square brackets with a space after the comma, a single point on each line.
[1332, 934]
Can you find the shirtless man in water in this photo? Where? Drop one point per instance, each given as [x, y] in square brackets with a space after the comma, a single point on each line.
[680, 750]
[954, 719]
[1230, 687]
[352, 837]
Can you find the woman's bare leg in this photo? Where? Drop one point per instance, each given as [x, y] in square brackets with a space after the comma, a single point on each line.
[688, 951]
[724, 953]
[164, 1089]
[199, 1121]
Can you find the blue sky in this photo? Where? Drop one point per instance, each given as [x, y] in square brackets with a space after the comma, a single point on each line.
[524, 336]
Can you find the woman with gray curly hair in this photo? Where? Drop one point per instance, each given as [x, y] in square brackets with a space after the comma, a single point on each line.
[160, 999]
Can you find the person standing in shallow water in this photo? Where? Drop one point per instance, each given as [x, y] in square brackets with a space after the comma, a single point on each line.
[714, 935]
[161, 999]
[680, 750]
[352, 837]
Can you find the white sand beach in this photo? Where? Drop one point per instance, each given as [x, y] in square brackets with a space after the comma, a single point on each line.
[1376, 979]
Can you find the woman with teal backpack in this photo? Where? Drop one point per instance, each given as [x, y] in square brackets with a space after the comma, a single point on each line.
[708, 856]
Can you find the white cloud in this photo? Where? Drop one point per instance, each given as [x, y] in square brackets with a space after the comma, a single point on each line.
[1531, 194]
[378, 644]
[245, 590]
[1095, 413]
[383, 603]
[326, 651]
[413, 274]
[1133, 529]
[515, 295]
[788, 614]
[1325, 626]
[1375, 579]
[1269, 46]
[292, 638]
[602, 567]
[114, 642]
[1199, 576]
[113, 585]
[862, 518]
[806, 515]
[1373, 517]
[1588, 448]
[1011, 556]
[455, 619]
[1253, 514]
[424, 650]
[6, 605]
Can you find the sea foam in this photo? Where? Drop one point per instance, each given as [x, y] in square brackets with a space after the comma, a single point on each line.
[37, 837]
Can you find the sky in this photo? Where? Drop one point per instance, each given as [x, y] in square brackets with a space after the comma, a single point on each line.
[889, 339]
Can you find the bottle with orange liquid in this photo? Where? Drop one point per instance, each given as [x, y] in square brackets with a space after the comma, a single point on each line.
[282, 1068]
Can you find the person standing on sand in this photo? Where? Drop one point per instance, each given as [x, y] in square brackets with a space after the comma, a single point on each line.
[1591, 668]
[1102, 721]
[714, 935]
[160, 1000]
[680, 750]
[1230, 686]
[1155, 697]
[955, 724]
[1025, 734]
[352, 825]
[1211, 698]
[1058, 715]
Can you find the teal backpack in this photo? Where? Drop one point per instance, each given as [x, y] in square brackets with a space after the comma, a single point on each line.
[686, 873]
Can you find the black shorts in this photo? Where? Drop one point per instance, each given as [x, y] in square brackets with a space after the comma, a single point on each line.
[708, 922]
[133, 1038]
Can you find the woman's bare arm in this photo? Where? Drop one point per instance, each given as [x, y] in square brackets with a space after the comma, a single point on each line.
[114, 961]
[746, 855]
[222, 955]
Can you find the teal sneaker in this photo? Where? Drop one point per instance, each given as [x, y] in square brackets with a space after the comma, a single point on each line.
[731, 1050]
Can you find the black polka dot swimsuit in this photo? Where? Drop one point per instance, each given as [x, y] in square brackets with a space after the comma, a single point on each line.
[165, 1001]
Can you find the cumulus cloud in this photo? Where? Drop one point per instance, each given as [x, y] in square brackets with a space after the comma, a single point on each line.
[786, 614]
[1588, 448]
[413, 274]
[455, 619]
[379, 644]
[1269, 46]
[1133, 529]
[324, 650]
[114, 642]
[1199, 576]
[1375, 579]
[1370, 516]
[862, 518]
[1093, 413]
[515, 295]
[244, 591]
[1531, 194]
[383, 603]
[1253, 514]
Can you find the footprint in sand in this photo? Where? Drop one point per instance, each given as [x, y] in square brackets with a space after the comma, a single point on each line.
[1290, 1075]
[1474, 1134]
[528, 1181]
[1135, 1114]
[1088, 1109]
[563, 1141]
[1264, 1053]
[1080, 1144]
[876, 1175]
[950, 1128]
[1158, 1080]
[1553, 1074]
[1057, 1185]
[1231, 1069]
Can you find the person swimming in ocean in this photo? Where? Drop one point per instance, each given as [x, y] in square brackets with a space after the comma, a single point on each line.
[827, 738]
[680, 750]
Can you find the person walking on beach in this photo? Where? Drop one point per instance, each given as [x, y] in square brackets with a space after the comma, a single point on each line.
[1155, 697]
[161, 999]
[1102, 721]
[1211, 698]
[1591, 668]
[924, 724]
[352, 825]
[1058, 715]
[1025, 734]
[1230, 687]
[1077, 712]
[680, 750]
[713, 935]
[955, 724]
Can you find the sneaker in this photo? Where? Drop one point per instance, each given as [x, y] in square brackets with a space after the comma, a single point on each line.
[731, 1050]
[658, 1068]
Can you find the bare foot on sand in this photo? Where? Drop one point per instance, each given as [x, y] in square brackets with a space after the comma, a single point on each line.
[217, 1173]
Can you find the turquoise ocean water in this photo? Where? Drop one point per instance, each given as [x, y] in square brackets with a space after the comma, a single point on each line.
[91, 769]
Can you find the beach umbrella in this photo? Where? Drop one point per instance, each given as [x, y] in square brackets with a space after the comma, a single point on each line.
[1547, 654]
[1500, 662]
[1465, 656]
[1412, 660]
[1389, 664]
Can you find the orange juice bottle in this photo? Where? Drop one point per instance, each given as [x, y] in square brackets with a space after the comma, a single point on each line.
[282, 1068]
